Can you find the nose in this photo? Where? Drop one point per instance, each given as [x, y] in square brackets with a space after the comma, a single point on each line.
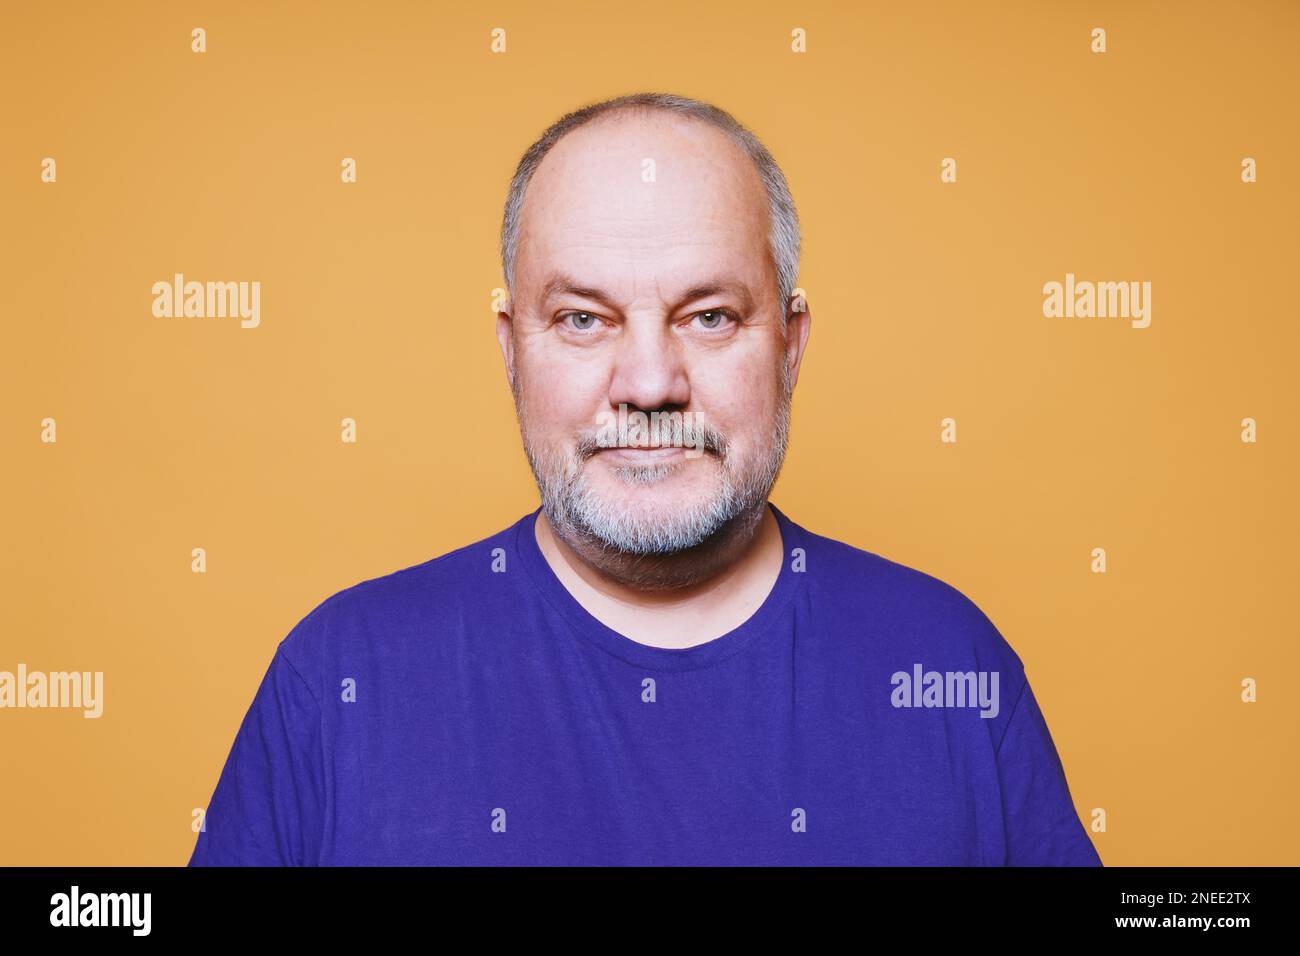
[649, 368]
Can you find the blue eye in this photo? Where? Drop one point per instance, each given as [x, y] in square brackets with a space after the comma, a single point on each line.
[582, 321]
[713, 318]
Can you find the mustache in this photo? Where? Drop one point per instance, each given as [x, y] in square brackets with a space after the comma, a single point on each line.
[700, 436]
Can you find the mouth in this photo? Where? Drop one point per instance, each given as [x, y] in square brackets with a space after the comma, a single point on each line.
[644, 456]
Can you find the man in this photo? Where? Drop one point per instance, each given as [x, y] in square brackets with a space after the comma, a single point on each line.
[657, 666]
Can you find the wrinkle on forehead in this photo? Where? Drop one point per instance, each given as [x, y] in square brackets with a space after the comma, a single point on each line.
[588, 200]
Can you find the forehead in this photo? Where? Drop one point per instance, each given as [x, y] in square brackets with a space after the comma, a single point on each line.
[656, 197]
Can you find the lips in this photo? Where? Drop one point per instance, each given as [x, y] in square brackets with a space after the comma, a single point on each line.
[646, 450]
[648, 453]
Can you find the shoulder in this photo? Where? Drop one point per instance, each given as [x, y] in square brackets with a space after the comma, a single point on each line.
[410, 602]
[903, 607]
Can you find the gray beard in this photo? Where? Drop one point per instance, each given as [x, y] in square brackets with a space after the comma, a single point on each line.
[648, 551]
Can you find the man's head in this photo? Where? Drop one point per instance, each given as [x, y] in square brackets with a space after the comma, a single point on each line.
[650, 248]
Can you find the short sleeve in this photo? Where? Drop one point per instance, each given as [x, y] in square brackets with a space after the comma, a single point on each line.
[267, 809]
[1042, 827]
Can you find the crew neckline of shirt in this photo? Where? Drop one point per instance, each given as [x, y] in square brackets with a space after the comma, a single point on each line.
[596, 632]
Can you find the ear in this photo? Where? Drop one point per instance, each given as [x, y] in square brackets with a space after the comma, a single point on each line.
[505, 338]
[797, 329]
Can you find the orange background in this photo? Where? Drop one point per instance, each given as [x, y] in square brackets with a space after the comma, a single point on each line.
[927, 303]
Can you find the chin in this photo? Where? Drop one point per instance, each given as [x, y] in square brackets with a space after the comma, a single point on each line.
[651, 491]
[636, 487]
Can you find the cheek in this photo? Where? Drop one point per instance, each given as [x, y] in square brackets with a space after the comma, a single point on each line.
[557, 398]
[740, 401]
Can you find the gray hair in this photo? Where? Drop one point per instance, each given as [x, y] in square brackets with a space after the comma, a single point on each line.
[784, 236]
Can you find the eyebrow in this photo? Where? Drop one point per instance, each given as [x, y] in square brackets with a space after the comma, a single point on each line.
[562, 284]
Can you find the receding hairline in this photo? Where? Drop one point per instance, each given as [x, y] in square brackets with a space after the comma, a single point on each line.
[561, 281]
[622, 115]
[783, 238]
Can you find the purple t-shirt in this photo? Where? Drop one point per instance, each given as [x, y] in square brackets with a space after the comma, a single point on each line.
[468, 710]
